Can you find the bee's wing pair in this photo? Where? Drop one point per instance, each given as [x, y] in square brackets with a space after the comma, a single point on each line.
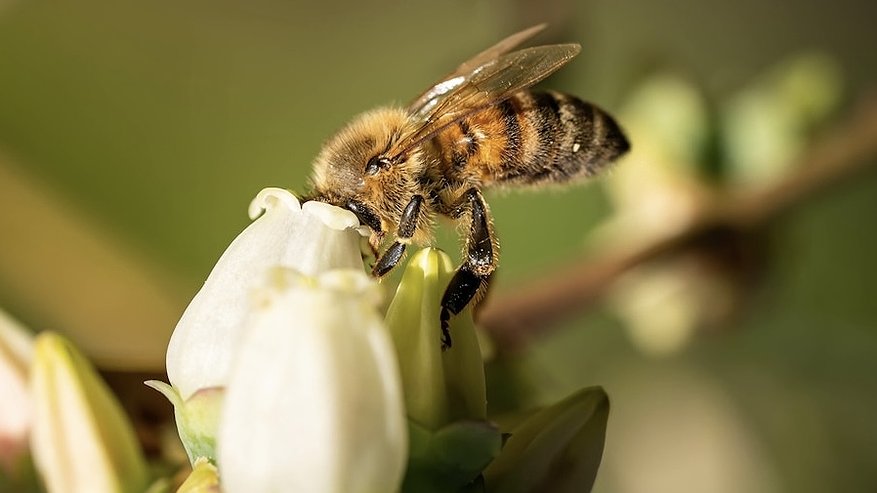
[484, 80]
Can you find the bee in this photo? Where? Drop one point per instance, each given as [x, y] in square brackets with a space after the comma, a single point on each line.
[478, 128]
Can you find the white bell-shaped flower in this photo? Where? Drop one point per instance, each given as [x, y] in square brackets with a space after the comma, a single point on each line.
[314, 400]
[311, 239]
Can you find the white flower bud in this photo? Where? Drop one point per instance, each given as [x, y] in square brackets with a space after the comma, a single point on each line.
[81, 439]
[314, 400]
[310, 239]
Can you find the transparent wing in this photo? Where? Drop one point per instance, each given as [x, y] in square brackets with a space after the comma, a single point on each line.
[487, 84]
[447, 82]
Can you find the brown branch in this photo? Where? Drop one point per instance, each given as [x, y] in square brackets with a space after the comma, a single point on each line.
[514, 318]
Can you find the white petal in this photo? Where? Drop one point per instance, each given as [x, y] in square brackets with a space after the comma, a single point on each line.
[314, 400]
[271, 197]
[16, 353]
[201, 348]
[332, 216]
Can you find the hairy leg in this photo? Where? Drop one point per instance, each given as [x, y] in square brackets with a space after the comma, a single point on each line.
[406, 229]
[479, 258]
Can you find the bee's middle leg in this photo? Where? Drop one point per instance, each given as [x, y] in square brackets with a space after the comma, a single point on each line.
[480, 260]
[406, 229]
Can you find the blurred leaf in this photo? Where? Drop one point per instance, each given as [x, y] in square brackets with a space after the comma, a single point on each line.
[451, 458]
[558, 449]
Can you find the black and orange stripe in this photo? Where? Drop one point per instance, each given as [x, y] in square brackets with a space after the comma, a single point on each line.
[531, 138]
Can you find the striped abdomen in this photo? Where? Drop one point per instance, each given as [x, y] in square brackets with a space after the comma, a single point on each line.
[531, 138]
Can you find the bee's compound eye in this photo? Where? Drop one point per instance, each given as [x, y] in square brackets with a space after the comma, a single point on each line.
[375, 164]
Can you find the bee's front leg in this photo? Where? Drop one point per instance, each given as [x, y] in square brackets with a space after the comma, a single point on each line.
[406, 229]
[368, 217]
[480, 259]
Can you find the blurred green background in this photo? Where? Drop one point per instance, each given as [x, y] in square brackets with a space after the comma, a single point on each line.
[134, 134]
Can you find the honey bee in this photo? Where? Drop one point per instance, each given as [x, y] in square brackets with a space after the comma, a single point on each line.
[478, 128]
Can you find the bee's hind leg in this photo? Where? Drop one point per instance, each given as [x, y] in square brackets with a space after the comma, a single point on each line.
[480, 259]
[406, 229]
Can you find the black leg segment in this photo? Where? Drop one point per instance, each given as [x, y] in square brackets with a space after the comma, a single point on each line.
[480, 242]
[365, 215]
[479, 260]
[408, 222]
[458, 294]
[461, 290]
[389, 259]
[406, 229]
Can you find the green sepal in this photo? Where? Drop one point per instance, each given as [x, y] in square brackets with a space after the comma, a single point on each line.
[557, 449]
[450, 459]
[197, 418]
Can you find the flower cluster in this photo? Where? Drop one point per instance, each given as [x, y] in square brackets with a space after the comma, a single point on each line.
[59, 416]
[286, 331]
[286, 375]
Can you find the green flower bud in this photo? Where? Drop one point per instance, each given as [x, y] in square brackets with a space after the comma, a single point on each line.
[769, 124]
[439, 386]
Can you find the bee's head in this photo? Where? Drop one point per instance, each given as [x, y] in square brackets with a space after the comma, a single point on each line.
[357, 154]
[353, 167]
